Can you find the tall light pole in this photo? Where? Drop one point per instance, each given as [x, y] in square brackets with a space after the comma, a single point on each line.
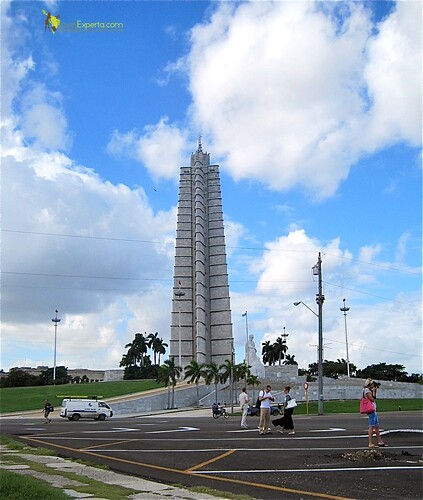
[232, 376]
[320, 298]
[55, 321]
[179, 294]
[345, 309]
[284, 335]
[247, 348]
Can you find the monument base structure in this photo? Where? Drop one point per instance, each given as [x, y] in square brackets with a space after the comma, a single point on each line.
[201, 328]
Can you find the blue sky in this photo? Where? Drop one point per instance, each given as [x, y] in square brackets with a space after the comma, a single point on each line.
[313, 112]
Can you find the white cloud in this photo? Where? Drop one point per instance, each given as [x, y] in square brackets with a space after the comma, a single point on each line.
[394, 76]
[386, 331]
[161, 148]
[43, 120]
[291, 98]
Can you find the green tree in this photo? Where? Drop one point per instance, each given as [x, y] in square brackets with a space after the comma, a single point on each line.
[151, 342]
[137, 349]
[382, 371]
[279, 349]
[213, 376]
[169, 373]
[62, 377]
[195, 371]
[157, 345]
[267, 352]
[160, 347]
[242, 372]
[290, 360]
[19, 378]
[253, 381]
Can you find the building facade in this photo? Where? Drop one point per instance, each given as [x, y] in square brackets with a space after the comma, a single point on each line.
[201, 326]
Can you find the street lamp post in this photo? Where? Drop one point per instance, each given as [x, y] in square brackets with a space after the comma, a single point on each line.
[320, 298]
[55, 320]
[232, 376]
[345, 309]
[247, 350]
[179, 294]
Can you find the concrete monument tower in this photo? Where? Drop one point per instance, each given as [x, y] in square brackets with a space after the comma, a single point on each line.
[201, 327]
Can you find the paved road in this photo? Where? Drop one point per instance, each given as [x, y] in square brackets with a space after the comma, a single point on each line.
[327, 458]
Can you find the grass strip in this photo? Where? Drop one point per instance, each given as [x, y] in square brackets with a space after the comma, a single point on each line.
[15, 486]
[15, 399]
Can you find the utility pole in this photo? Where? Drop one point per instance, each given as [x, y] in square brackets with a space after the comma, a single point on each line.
[320, 298]
[345, 309]
[55, 321]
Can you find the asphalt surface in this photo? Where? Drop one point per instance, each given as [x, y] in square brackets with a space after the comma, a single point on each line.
[328, 456]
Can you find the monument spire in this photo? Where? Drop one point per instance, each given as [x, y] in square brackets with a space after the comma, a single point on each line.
[201, 327]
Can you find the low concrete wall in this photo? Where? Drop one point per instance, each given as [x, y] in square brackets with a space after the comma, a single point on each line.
[184, 397]
[342, 389]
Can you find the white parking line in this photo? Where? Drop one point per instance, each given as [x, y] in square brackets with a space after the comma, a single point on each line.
[290, 471]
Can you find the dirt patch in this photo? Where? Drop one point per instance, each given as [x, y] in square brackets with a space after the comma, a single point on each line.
[369, 456]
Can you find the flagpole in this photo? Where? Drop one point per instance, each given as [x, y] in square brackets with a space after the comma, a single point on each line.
[247, 350]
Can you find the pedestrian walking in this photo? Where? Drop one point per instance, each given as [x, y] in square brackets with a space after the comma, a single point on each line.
[369, 392]
[286, 423]
[265, 398]
[243, 404]
[48, 408]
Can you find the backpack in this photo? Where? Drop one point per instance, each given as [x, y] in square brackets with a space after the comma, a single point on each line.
[258, 403]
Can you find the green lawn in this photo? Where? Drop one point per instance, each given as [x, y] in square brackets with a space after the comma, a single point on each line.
[351, 406]
[14, 399]
[16, 486]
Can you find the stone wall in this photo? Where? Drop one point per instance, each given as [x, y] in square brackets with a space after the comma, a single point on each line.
[344, 389]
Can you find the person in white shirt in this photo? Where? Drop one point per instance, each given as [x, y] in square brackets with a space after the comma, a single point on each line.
[266, 398]
[243, 404]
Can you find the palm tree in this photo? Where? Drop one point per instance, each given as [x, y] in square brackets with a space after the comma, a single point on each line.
[137, 349]
[160, 348]
[290, 360]
[213, 375]
[226, 370]
[151, 342]
[168, 374]
[242, 371]
[266, 351]
[253, 380]
[126, 360]
[279, 349]
[156, 344]
[195, 371]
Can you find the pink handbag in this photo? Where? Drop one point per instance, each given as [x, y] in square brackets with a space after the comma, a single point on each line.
[366, 406]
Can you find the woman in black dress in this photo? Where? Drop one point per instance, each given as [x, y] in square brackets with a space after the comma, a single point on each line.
[286, 421]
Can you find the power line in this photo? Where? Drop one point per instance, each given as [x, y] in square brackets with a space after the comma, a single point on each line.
[266, 249]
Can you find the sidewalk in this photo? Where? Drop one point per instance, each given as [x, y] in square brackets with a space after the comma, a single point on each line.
[69, 477]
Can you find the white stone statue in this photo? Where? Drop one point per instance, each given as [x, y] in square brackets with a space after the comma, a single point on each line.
[251, 357]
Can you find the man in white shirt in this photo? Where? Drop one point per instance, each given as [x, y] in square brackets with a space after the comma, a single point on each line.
[243, 404]
[266, 398]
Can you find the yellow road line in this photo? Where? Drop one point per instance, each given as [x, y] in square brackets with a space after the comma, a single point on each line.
[187, 473]
[207, 462]
[106, 444]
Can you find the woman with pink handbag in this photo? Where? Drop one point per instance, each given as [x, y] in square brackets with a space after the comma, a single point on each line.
[369, 392]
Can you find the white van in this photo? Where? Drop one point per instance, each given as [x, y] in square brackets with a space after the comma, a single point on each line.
[74, 409]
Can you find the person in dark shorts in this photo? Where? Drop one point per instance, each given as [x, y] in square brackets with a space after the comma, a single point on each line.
[48, 408]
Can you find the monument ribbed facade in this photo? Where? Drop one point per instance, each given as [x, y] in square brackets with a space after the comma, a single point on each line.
[201, 326]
